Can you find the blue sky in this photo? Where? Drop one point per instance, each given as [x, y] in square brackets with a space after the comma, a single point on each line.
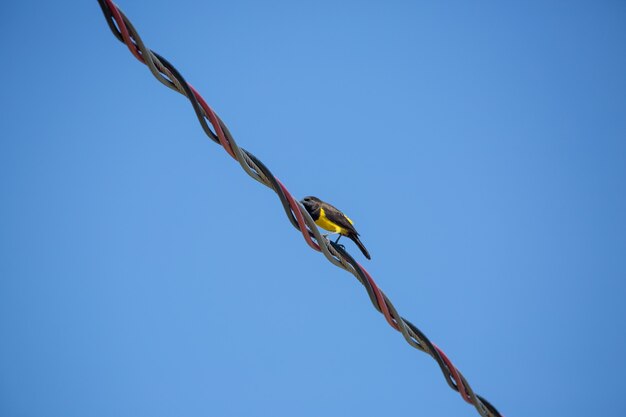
[480, 149]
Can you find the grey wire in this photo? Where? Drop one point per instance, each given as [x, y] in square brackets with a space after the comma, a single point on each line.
[158, 70]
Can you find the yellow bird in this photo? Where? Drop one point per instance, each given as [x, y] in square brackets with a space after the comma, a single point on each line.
[330, 218]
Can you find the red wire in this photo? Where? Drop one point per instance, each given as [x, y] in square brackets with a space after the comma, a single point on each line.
[207, 109]
[122, 26]
[381, 300]
[295, 207]
[455, 375]
[214, 121]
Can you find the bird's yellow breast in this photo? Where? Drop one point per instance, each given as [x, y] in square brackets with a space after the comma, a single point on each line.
[326, 224]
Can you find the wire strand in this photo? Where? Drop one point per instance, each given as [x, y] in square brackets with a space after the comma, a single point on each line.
[218, 132]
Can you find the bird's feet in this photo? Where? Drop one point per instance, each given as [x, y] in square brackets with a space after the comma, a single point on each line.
[325, 236]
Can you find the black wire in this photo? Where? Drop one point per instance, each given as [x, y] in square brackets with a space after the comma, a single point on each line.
[194, 102]
[196, 106]
[109, 18]
[370, 292]
[362, 277]
[489, 406]
[277, 188]
[200, 115]
[434, 352]
[190, 95]
[287, 207]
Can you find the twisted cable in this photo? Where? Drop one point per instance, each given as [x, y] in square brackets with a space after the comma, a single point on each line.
[218, 132]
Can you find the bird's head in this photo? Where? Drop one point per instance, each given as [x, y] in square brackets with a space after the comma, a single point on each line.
[310, 203]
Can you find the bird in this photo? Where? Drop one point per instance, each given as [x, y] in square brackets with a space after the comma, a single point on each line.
[332, 219]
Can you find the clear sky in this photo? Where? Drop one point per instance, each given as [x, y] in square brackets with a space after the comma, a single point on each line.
[480, 149]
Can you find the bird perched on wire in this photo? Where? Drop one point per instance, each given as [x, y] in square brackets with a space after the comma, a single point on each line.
[330, 218]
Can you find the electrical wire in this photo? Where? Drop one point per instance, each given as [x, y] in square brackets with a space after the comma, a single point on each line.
[218, 132]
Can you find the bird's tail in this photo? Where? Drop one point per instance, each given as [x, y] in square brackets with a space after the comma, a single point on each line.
[355, 239]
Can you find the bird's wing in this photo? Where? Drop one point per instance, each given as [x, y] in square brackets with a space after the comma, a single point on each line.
[339, 218]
